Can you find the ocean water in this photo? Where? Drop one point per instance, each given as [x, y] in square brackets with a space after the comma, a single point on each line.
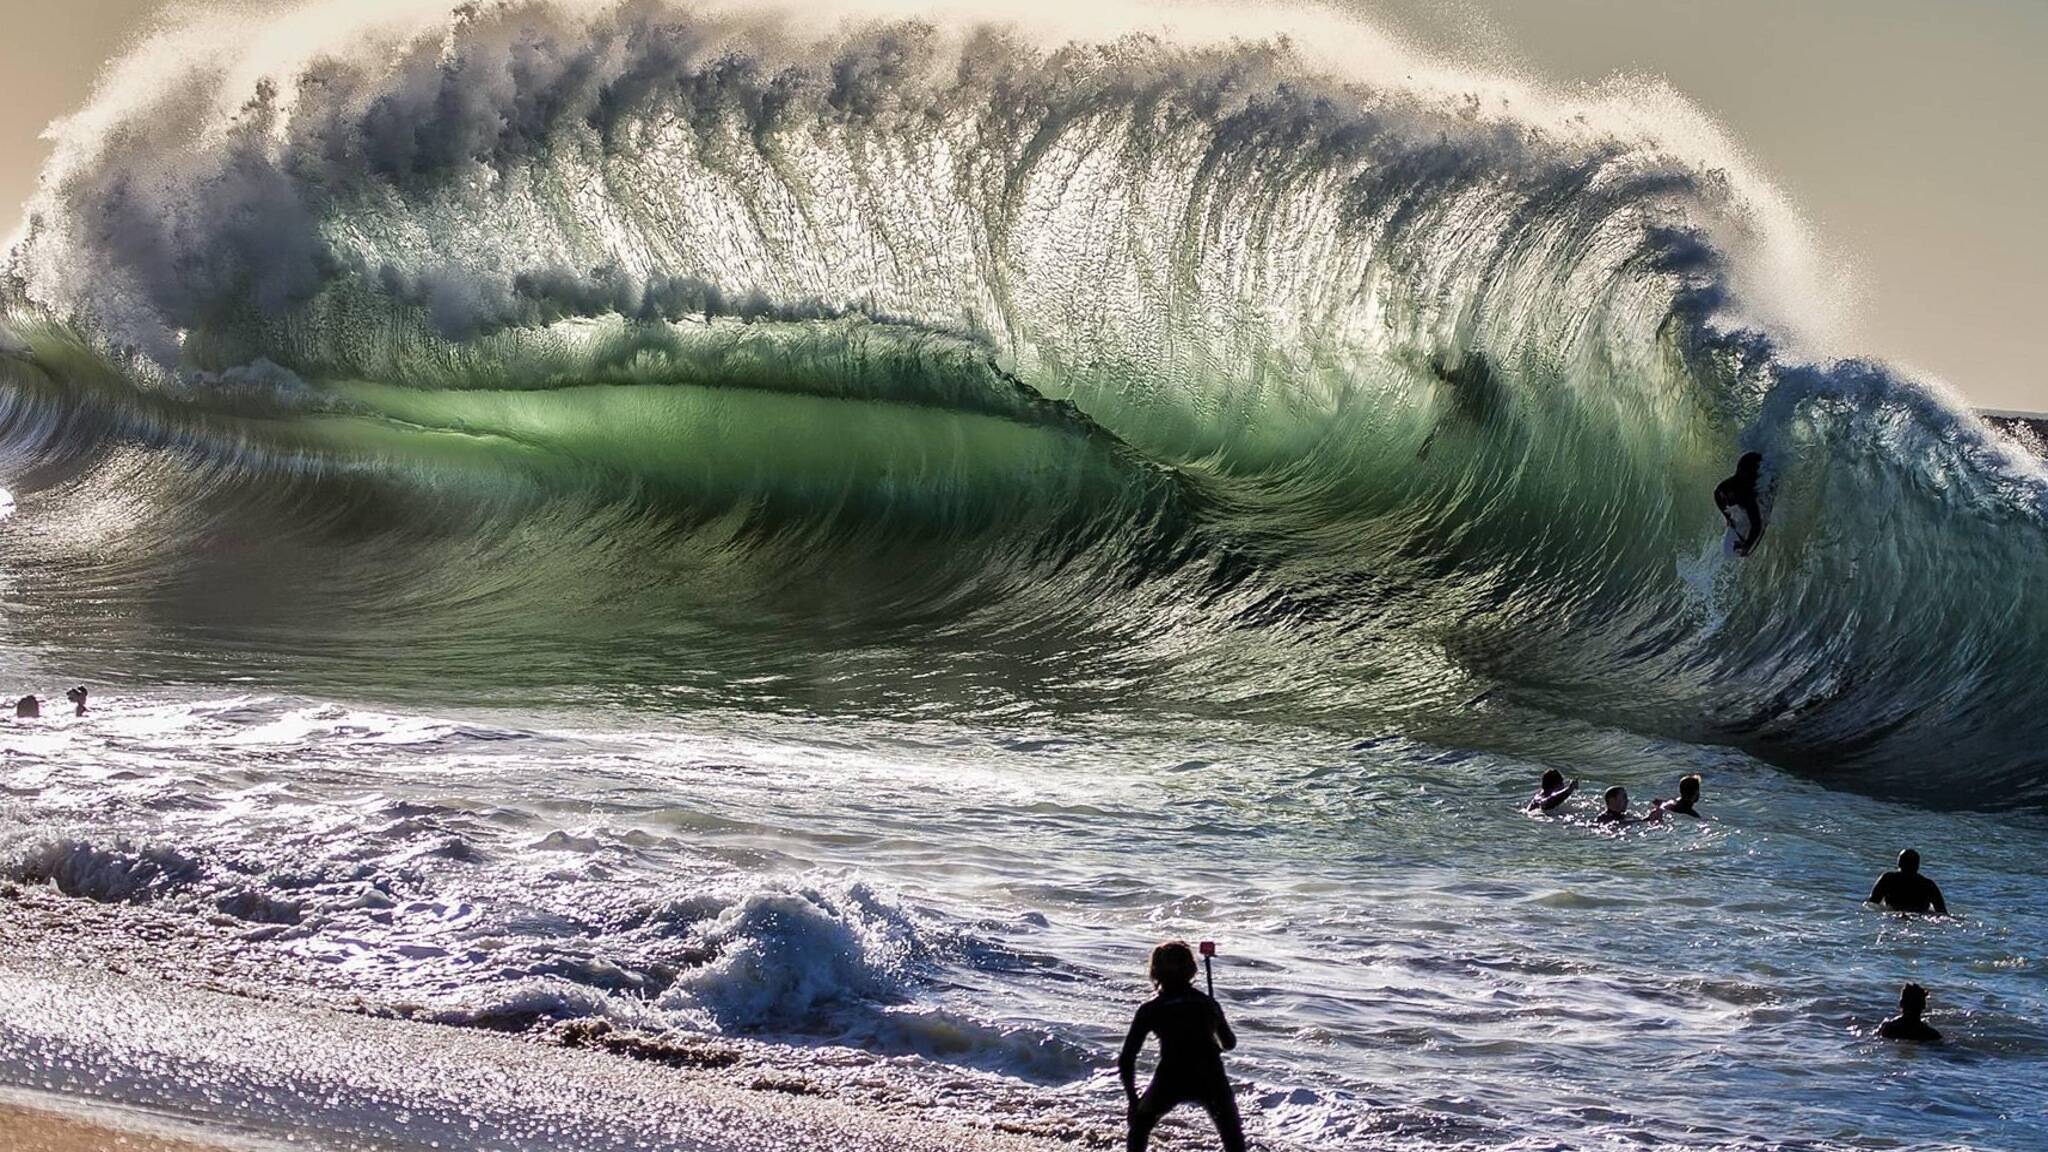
[822, 540]
[952, 918]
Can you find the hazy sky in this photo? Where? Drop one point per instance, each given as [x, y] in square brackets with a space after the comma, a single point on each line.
[1911, 133]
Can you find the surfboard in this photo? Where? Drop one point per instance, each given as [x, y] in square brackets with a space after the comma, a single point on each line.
[1734, 534]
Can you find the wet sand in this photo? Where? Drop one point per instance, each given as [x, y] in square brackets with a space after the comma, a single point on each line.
[35, 1130]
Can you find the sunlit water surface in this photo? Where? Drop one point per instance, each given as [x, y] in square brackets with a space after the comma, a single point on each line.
[954, 916]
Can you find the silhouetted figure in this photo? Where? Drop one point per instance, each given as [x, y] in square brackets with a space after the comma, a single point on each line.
[77, 697]
[1554, 792]
[1907, 1025]
[1473, 390]
[1738, 494]
[1616, 799]
[28, 708]
[1193, 1035]
[1688, 797]
[1906, 890]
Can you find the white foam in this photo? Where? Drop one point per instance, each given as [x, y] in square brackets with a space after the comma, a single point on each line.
[123, 873]
[786, 953]
[191, 84]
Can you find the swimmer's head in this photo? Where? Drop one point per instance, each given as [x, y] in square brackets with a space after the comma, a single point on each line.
[1689, 787]
[1616, 798]
[1912, 1001]
[1750, 464]
[1553, 780]
[1173, 965]
[1909, 861]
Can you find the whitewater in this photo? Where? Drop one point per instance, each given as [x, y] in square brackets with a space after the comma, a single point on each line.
[813, 538]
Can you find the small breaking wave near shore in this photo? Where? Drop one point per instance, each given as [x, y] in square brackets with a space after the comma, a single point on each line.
[1169, 369]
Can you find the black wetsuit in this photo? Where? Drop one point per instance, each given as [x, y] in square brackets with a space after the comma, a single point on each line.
[1900, 1028]
[1908, 892]
[1739, 491]
[1193, 1035]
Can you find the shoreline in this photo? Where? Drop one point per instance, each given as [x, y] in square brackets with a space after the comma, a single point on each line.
[98, 1061]
[35, 1123]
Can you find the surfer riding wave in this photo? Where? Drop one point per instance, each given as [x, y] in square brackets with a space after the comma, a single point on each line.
[1736, 497]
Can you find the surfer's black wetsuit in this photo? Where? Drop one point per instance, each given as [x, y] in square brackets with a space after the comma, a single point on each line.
[1908, 892]
[1739, 491]
[1909, 1028]
[1193, 1035]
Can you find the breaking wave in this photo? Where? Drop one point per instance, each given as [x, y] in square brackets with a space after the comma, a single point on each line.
[1189, 372]
[819, 959]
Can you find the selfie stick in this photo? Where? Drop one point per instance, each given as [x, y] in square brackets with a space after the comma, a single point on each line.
[1209, 954]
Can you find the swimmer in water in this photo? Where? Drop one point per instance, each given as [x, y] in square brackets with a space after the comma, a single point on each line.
[1616, 799]
[1907, 1025]
[1906, 890]
[1688, 797]
[1193, 1035]
[1553, 792]
[1738, 494]
[77, 697]
[28, 708]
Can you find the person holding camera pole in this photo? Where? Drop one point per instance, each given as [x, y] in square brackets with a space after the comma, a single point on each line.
[1193, 1036]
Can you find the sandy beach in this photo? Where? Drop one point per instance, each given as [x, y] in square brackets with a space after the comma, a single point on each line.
[27, 1129]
